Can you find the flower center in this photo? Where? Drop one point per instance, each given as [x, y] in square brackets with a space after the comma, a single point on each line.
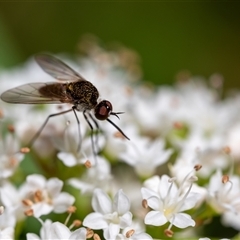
[112, 218]
[168, 212]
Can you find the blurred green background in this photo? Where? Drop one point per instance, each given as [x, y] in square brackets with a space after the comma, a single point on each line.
[200, 36]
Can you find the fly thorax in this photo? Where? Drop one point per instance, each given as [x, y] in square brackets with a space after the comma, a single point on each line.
[83, 94]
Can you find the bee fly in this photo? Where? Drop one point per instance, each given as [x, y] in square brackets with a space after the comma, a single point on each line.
[73, 89]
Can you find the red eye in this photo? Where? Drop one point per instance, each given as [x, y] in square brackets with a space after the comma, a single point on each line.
[103, 110]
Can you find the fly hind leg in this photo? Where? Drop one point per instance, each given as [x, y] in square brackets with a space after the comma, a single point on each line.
[44, 124]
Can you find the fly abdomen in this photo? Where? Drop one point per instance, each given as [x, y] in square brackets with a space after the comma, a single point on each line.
[55, 91]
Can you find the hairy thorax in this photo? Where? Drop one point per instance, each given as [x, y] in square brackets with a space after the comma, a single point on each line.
[84, 95]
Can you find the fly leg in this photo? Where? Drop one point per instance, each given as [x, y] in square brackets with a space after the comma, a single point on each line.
[44, 124]
[98, 130]
[90, 125]
[79, 131]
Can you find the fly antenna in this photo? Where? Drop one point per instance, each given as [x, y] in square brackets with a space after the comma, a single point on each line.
[116, 114]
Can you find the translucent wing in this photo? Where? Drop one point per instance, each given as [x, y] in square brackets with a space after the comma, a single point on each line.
[57, 69]
[34, 93]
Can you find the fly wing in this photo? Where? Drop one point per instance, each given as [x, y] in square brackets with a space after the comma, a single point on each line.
[57, 69]
[37, 93]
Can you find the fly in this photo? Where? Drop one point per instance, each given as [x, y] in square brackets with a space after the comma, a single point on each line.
[72, 89]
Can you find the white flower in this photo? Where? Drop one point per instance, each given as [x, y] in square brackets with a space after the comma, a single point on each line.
[7, 224]
[183, 169]
[9, 196]
[11, 200]
[233, 140]
[10, 155]
[207, 151]
[206, 238]
[133, 232]
[130, 234]
[7, 221]
[142, 107]
[7, 233]
[111, 216]
[168, 202]
[224, 197]
[146, 155]
[57, 230]
[44, 196]
[115, 146]
[98, 176]
[71, 153]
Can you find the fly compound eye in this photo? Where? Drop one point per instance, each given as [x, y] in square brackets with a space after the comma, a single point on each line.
[103, 110]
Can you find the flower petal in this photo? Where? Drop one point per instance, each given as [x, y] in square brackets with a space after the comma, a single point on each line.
[32, 236]
[59, 231]
[54, 186]
[190, 201]
[95, 221]
[155, 203]
[155, 218]
[141, 236]
[7, 233]
[40, 209]
[111, 232]
[182, 220]
[152, 183]
[79, 234]
[63, 202]
[125, 220]
[68, 159]
[81, 185]
[36, 181]
[101, 202]
[164, 187]
[45, 230]
[148, 193]
[121, 203]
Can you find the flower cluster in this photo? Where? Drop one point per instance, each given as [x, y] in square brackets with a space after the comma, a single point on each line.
[177, 177]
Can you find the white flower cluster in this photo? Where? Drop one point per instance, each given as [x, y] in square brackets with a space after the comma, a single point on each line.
[179, 170]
